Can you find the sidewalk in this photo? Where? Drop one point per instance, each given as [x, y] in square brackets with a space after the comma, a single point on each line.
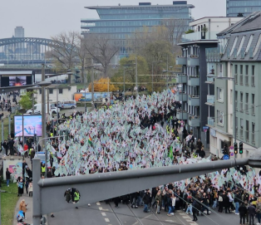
[28, 201]
[29, 212]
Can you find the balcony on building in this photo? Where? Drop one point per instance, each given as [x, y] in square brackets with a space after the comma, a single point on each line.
[180, 96]
[211, 121]
[193, 100]
[193, 60]
[214, 54]
[198, 35]
[193, 81]
[181, 60]
[210, 100]
[194, 121]
[182, 115]
[181, 78]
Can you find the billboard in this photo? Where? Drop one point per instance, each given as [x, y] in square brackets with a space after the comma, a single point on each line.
[87, 97]
[32, 125]
[17, 81]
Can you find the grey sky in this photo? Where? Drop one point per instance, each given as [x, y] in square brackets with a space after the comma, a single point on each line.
[50, 17]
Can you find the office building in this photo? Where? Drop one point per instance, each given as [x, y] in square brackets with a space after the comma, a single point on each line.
[195, 90]
[19, 32]
[242, 8]
[237, 83]
[121, 21]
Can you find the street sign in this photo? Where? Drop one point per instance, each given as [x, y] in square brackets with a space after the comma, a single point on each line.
[205, 129]
[226, 157]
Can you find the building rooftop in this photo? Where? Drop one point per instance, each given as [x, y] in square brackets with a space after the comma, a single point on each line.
[140, 6]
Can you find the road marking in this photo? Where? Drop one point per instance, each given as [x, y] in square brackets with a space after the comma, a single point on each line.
[103, 214]
[107, 220]
[98, 203]
[172, 221]
[101, 209]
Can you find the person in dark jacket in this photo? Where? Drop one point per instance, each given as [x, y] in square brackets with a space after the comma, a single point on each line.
[195, 207]
[251, 212]
[146, 200]
[8, 177]
[202, 153]
[226, 202]
[242, 213]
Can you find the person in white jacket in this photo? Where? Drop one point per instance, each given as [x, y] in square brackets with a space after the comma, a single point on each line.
[173, 198]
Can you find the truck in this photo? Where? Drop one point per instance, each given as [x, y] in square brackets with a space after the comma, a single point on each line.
[38, 109]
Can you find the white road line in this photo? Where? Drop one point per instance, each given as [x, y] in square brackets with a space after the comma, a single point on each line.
[103, 214]
[106, 220]
[98, 203]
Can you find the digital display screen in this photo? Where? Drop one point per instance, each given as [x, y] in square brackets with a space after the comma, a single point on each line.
[15, 81]
[32, 125]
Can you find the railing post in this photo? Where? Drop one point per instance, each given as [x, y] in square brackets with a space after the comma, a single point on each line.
[37, 212]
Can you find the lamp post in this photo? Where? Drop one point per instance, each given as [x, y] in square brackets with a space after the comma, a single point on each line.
[43, 85]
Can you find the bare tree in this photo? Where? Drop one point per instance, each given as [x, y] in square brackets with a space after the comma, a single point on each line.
[64, 49]
[102, 48]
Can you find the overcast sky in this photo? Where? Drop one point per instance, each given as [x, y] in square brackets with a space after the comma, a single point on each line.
[47, 18]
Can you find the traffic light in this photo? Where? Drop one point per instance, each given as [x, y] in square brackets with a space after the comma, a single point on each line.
[235, 148]
[225, 150]
[241, 148]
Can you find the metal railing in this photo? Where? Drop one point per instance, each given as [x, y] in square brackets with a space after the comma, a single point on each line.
[253, 110]
[253, 81]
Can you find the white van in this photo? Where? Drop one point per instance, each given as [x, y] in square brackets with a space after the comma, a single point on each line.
[38, 109]
[67, 104]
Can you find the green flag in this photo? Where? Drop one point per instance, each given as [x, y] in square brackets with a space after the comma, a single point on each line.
[171, 153]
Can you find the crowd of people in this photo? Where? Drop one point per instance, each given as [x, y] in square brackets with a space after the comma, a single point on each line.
[8, 100]
[143, 132]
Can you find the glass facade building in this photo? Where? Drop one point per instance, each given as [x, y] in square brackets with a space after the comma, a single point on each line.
[246, 7]
[120, 21]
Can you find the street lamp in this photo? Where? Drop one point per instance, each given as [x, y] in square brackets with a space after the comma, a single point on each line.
[43, 85]
[234, 100]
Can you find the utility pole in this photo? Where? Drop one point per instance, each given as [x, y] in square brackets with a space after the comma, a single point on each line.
[152, 78]
[92, 87]
[136, 77]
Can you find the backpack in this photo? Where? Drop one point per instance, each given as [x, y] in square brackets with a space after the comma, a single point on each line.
[220, 199]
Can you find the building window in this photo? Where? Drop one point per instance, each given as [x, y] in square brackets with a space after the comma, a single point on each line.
[249, 43]
[40, 91]
[253, 70]
[241, 44]
[257, 45]
[50, 91]
[220, 95]
[246, 69]
[241, 69]
[220, 117]
[60, 91]
[231, 120]
[234, 45]
[235, 69]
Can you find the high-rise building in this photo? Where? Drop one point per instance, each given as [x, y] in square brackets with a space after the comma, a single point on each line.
[19, 32]
[120, 21]
[242, 8]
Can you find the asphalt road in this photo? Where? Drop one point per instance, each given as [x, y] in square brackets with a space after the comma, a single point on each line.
[106, 214]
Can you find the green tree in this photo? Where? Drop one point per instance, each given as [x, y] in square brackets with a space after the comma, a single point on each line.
[128, 67]
[26, 100]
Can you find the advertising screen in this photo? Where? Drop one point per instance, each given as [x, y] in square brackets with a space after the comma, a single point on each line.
[17, 81]
[87, 97]
[32, 125]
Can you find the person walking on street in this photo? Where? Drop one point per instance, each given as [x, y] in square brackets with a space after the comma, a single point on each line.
[195, 206]
[158, 200]
[258, 210]
[22, 206]
[242, 213]
[8, 177]
[251, 212]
